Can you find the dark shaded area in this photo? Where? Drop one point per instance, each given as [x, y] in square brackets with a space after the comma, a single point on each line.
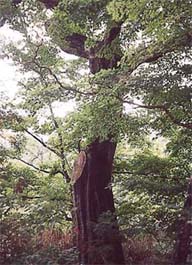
[183, 250]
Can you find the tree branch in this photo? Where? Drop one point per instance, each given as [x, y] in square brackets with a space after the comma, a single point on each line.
[70, 89]
[62, 153]
[110, 36]
[75, 41]
[97, 59]
[50, 3]
[76, 45]
[152, 54]
[35, 167]
[164, 109]
[6, 211]
[42, 142]
[31, 165]
[150, 174]
[49, 70]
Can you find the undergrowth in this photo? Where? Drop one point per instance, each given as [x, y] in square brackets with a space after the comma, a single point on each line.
[19, 245]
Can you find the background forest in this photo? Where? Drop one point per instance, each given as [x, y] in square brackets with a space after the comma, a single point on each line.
[128, 84]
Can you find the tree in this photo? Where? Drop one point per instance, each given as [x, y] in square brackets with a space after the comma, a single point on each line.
[105, 34]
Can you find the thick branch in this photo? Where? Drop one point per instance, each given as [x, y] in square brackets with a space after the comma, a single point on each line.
[50, 3]
[110, 36]
[97, 58]
[75, 41]
[152, 54]
[76, 45]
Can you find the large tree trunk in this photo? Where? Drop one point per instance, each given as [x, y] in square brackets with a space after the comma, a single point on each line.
[98, 235]
[183, 251]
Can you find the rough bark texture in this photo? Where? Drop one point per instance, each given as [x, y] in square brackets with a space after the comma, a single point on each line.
[98, 240]
[50, 3]
[183, 251]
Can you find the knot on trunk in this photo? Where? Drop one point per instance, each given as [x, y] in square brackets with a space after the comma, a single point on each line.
[78, 166]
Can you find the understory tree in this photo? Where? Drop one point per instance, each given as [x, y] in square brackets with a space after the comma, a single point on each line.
[132, 53]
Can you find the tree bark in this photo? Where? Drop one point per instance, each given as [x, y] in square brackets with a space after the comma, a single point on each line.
[98, 234]
[183, 250]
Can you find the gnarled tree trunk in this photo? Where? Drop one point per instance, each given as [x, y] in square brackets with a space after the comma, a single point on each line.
[98, 235]
[183, 251]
